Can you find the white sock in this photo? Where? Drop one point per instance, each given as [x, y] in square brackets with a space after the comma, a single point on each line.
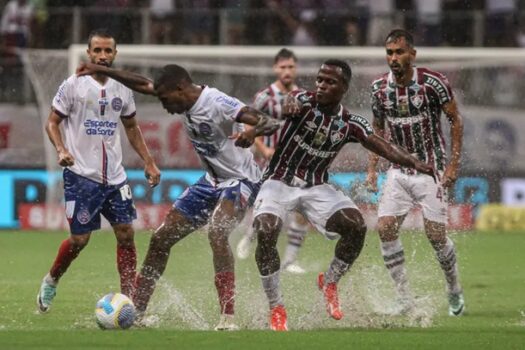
[394, 258]
[272, 289]
[49, 280]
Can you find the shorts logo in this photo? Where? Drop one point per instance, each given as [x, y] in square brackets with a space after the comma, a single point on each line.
[83, 216]
[116, 104]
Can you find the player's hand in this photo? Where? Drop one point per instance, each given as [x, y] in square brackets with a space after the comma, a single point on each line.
[244, 139]
[371, 181]
[65, 158]
[291, 106]
[426, 168]
[450, 176]
[152, 174]
[87, 68]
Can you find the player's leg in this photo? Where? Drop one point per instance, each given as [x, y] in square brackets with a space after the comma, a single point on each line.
[296, 231]
[393, 207]
[336, 217]
[83, 199]
[245, 244]
[434, 203]
[273, 203]
[174, 228]
[119, 210]
[189, 212]
[234, 200]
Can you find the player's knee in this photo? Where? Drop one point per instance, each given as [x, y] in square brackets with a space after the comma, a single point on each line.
[78, 242]
[387, 228]
[266, 227]
[125, 234]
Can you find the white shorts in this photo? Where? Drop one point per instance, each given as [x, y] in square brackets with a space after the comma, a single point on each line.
[317, 203]
[402, 192]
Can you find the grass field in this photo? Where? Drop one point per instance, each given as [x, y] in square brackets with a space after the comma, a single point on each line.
[492, 269]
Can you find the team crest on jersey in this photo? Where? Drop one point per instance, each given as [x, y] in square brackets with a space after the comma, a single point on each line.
[204, 129]
[319, 139]
[336, 137]
[83, 216]
[116, 104]
[416, 100]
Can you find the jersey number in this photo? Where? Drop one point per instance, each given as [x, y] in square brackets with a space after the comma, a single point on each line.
[125, 192]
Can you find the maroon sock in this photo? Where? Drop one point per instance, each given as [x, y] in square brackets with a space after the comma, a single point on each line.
[127, 264]
[225, 284]
[66, 254]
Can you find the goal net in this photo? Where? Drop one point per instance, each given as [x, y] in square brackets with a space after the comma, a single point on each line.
[486, 82]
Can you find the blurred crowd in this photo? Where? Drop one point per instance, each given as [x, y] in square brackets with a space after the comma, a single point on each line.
[55, 24]
[58, 23]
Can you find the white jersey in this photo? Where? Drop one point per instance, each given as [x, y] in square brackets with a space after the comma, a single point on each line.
[209, 123]
[91, 113]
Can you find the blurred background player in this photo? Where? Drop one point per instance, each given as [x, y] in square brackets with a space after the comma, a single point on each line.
[316, 129]
[215, 125]
[410, 101]
[95, 183]
[269, 100]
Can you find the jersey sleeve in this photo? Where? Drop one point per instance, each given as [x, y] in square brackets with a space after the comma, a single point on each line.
[63, 100]
[227, 107]
[440, 90]
[128, 108]
[375, 101]
[360, 128]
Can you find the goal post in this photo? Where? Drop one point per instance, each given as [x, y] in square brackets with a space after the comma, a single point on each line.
[486, 81]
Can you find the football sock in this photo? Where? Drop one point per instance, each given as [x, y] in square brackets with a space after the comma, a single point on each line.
[296, 235]
[336, 270]
[126, 264]
[225, 284]
[394, 257]
[446, 255]
[272, 289]
[66, 254]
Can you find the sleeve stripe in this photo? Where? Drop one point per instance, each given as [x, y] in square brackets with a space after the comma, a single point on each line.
[129, 116]
[59, 113]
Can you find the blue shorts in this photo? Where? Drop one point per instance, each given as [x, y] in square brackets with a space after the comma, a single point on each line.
[87, 199]
[198, 201]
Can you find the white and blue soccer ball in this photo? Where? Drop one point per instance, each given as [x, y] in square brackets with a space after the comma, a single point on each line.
[115, 311]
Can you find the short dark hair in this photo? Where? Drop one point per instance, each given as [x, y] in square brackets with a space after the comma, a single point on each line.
[171, 75]
[100, 32]
[345, 67]
[397, 34]
[284, 54]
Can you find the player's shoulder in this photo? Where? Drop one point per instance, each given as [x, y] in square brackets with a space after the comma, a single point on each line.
[379, 82]
[358, 119]
[264, 92]
[220, 98]
[430, 74]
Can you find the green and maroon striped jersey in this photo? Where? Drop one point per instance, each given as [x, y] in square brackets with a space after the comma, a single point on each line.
[413, 113]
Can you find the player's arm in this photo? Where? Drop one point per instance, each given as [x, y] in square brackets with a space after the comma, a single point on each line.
[395, 154]
[261, 124]
[55, 136]
[373, 158]
[132, 80]
[456, 137]
[291, 106]
[136, 139]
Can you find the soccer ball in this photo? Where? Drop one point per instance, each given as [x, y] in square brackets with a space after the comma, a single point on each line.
[115, 311]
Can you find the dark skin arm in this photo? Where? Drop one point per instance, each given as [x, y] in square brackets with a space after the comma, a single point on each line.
[262, 124]
[136, 140]
[55, 136]
[456, 133]
[396, 154]
[132, 80]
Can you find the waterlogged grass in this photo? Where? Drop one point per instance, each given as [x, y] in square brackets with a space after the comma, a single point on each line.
[184, 308]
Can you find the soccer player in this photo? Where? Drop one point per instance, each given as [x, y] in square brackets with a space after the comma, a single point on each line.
[269, 100]
[215, 125]
[95, 183]
[409, 101]
[316, 128]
